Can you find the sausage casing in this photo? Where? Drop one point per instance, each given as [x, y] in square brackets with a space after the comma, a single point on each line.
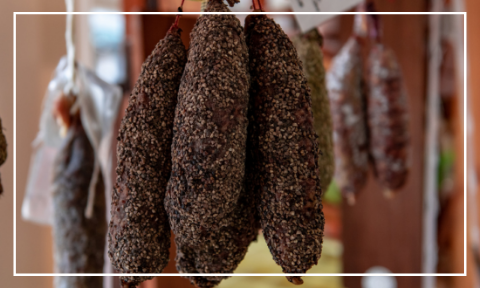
[139, 233]
[210, 128]
[285, 149]
[311, 55]
[79, 243]
[387, 118]
[209, 210]
[347, 103]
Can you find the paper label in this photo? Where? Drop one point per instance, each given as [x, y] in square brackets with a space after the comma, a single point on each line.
[308, 22]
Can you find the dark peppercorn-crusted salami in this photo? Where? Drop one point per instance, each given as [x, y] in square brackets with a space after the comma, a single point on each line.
[285, 149]
[3, 151]
[209, 211]
[345, 85]
[218, 251]
[139, 233]
[210, 128]
[387, 118]
[310, 53]
[79, 242]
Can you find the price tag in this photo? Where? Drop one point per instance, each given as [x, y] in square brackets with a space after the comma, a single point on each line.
[308, 22]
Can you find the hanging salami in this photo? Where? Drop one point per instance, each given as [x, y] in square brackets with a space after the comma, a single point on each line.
[208, 150]
[139, 233]
[346, 92]
[387, 118]
[79, 242]
[285, 149]
[209, 211]
[217, 251]
[309, 52]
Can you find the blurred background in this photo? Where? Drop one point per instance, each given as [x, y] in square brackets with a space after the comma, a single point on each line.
[420, 230]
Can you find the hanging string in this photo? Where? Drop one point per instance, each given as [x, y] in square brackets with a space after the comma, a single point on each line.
[69, 90]
[177, 18]
[70, 48]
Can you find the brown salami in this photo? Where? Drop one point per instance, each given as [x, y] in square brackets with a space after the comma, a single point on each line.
[345, 87]
[79, 243]
[284, 149]
[309, 52]
[139, 233]
[387, 118]
[218, 251]
[208, 150]
[209, 211]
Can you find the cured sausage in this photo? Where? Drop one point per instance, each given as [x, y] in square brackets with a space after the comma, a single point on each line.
[139, 233]
[285, 149]
[79, 243]
[210, 212]
[218, 251]
[309, 52]
[347, 103]
[208, 150]
[387, 118]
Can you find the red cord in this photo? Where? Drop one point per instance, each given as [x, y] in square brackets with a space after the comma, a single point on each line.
[260, 4]
[177, 18]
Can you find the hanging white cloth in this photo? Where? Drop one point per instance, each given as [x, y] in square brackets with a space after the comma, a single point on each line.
[98, 103]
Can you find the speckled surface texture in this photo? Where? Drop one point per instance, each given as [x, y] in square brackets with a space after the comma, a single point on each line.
[387, 118]
[208, 150]
[347, 102]
[209, 211]
[79, 242]
[139, 233]
[218, 251]
[310, 53]
[284, 149]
